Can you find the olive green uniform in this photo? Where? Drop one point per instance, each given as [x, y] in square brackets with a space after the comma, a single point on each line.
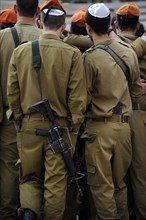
[63, 84]
[139, 46]
[9, 191]
[107, 134]
[81, 41]
[138, 127]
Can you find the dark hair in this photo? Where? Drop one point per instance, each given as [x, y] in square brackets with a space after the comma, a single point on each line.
[27, 8]
[53, 22]
[78, 29]
[99, 25]
[126, 23]
[140, 31]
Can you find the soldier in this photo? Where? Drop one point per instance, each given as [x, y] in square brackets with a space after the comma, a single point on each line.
[108, 148]
[128, 23]
[43, 174]
[8, 18]
[9, 187]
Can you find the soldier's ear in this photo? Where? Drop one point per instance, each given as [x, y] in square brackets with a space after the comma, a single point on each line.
[15, 8]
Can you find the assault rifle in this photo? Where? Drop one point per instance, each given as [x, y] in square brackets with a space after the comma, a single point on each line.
[56, 140]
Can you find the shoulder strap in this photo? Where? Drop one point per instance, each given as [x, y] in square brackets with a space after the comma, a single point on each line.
[36, 62]
[118, 60]
[15, 36]
[36, 58]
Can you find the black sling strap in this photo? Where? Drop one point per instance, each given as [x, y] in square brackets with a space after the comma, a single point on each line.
[118, 60]
[36, 61]
[36, 58]
[15, 36]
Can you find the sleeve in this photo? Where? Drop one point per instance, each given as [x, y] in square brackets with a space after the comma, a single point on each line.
[139, 46]
[90, 78]
[13, 90]
[136, 88]
[77, 93]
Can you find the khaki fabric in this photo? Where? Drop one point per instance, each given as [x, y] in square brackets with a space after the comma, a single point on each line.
[112, 84]
[139, 46]
[108, 143]
[80, 41]
[138, 166]
[26, 32]
[57, 74]
[62, 81]
[108, 156]
[9, 187]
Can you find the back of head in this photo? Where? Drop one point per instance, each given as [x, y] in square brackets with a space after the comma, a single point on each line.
[27, 8]
[53, 18]
[8, 18]
[128, 16]
[98, 17]
[78, 26]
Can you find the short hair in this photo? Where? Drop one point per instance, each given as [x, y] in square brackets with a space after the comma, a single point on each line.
[126, 22]
[99, 25]
[53, 22]
[78, 29]
[27, 8]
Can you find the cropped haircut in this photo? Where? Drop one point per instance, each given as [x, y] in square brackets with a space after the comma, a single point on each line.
[99, 25]
[78, 29]
[27, 8]
[53, 22]
[126, 23]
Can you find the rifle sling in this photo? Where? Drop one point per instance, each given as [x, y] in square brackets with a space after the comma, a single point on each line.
[36, 62]
[118, 60]
[15, 36]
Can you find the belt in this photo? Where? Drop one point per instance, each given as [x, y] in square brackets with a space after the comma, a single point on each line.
[138, 107]
[113, 118]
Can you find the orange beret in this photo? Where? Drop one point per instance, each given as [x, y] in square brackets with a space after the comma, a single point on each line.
[51, 3]
[8, 15]
[129, 9]
[79, 16]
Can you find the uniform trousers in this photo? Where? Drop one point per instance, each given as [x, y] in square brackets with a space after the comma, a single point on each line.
[9, 170]
[108, 154]
[43, 174]
[138, 166]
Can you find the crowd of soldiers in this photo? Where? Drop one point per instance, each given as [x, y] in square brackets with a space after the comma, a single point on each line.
[85, 156]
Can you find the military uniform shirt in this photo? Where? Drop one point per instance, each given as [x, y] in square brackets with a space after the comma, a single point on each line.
[107, 84]
[62, 79]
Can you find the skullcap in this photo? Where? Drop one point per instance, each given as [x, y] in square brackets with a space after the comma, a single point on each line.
[79, 16]
[129, 9]
[53, 11]
[8, 15]
[99, 10]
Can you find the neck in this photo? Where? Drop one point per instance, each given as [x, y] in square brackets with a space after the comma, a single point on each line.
[129, 32]
[26, 19]
[57, 32]
[100, 38]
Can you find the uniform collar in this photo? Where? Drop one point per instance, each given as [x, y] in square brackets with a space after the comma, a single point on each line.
[22, 23]
[50, 36]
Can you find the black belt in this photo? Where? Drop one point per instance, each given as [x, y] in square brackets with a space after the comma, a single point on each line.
[138, 107]
[113, 118]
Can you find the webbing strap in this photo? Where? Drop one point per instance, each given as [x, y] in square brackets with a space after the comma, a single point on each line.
[118, 60]
[15, 36]
[36, 62]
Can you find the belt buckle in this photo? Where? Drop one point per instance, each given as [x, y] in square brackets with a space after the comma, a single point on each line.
[122, 118]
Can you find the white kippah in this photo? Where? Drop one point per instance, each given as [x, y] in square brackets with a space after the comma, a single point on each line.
[53, 11]
[99, 10]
